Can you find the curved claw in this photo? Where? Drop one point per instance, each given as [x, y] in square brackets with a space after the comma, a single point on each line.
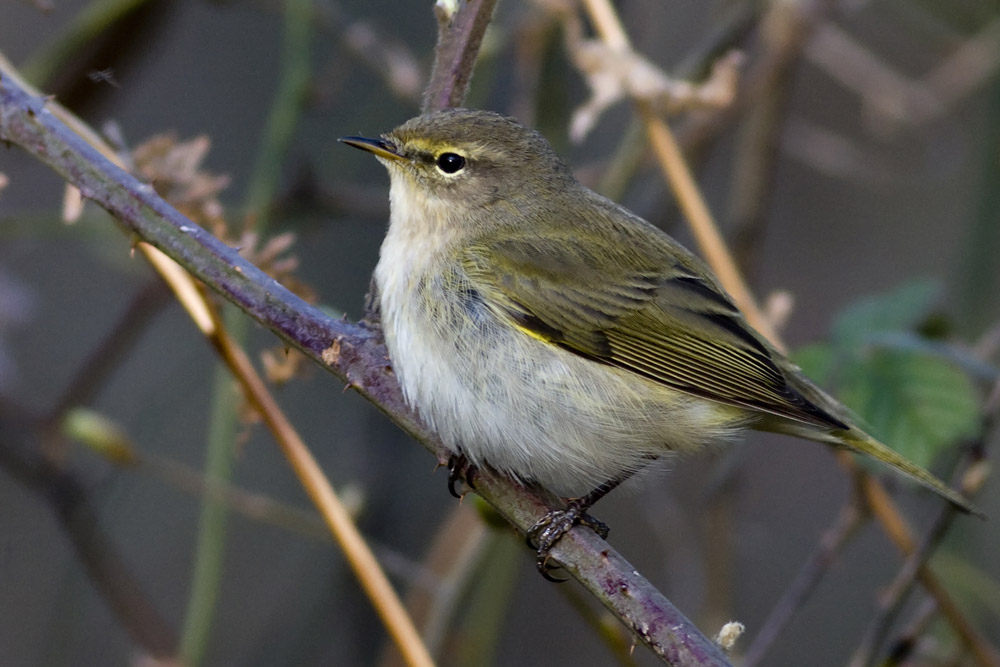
[546, 570]
[460, 471]
[542, 537]
[453, 478]
[548, 530]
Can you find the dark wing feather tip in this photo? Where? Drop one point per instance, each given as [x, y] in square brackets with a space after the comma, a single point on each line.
[658, 325]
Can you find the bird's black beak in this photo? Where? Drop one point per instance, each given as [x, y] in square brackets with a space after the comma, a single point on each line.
[378, 147]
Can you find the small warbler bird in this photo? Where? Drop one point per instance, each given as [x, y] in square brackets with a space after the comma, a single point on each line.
[547, 332]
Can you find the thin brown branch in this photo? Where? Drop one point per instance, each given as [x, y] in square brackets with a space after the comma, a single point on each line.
[359, 556]
[678, 175]
[902, 648]
[387, 58]
[459, 36]
[255, 507]
[803, 21]
[893, 94]
[703, 226]
[892, 599]
[972, 65]
[794, 24]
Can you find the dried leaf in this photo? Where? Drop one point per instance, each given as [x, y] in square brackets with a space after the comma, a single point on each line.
[174, 169]
[614, 74]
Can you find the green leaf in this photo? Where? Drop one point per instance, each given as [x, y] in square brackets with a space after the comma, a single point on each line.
[898, 310]
[906, 390]
[919, 404]
[815, 360]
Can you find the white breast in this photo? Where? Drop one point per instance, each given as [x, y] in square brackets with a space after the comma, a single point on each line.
[508, 400]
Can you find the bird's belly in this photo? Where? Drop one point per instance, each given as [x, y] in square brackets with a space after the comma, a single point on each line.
[529, 408]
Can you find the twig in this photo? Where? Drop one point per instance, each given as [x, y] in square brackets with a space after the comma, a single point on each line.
[846, 525]
[706, 233]
[799, 21]
[451, 561]
[487, 601]
[20, 455]
[900, 650]
[255, 507]
[359, 556]
[677, 173]
[606, 23]
[901, 535]
[734, 23]
[338, 520]
[915, 101]
[738, 20]
[209, 551]
[675, 168]
[389, 59]
[718, 536]
[459, 37]
[892, 599]
[878, 84]
[88, 380]
[759, 141]
[970, 66]
[352, 352]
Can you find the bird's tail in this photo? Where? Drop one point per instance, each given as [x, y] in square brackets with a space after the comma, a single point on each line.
[858, 441]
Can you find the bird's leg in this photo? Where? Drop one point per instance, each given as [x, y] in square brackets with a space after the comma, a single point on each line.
[373, 306]
[556, 523]
[460, 470]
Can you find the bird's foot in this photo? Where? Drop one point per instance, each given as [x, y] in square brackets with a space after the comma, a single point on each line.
[460, 472]
[550, 529]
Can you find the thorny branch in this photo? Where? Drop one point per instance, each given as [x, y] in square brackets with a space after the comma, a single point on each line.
[351, 351]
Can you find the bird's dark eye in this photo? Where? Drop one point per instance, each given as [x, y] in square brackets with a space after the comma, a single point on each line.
[450, 163]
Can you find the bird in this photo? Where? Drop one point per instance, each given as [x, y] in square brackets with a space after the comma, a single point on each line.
[554, 336]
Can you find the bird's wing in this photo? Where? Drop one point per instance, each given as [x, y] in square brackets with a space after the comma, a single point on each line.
[653, 311]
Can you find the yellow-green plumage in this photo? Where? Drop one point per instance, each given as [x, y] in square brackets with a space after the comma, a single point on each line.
[552, 334]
